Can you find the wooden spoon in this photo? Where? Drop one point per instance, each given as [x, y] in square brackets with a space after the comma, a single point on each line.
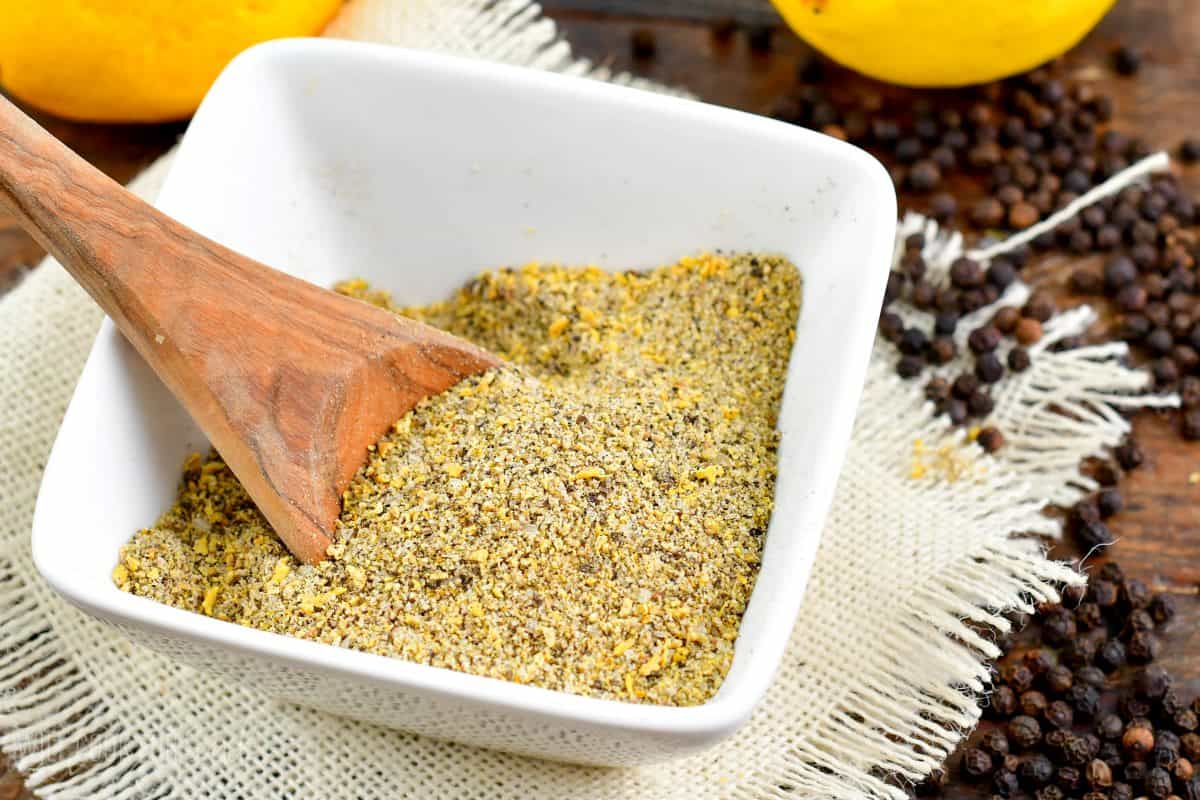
[290, 382]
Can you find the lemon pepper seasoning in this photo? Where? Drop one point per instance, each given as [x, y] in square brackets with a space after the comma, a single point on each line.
[588, 518]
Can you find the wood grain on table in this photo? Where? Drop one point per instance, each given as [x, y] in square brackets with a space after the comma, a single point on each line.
[1160, 529]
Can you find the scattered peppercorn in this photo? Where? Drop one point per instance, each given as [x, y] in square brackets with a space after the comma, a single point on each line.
[977, 763]
[643, 43]
[990, 439]
[1109, 502]
[1126, 60]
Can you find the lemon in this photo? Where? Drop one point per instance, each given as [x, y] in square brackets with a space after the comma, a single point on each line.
[942, 42]
[144, 61]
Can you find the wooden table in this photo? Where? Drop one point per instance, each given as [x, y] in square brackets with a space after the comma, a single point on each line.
[1160, 530]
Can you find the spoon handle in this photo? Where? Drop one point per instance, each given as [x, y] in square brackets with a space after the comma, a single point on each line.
[107, 238]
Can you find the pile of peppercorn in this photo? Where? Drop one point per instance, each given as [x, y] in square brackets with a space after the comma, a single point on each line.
[1036, 142]
[967, 288]
[1056, 725]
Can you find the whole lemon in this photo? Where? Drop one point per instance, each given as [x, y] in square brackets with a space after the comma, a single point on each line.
[135, 60]
[942, 42]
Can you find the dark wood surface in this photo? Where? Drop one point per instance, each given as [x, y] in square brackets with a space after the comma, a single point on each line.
[1160, 529]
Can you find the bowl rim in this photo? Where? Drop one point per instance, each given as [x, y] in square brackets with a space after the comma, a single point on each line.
[699, 724]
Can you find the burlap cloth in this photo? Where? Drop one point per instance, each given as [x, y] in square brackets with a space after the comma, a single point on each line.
[884, 670]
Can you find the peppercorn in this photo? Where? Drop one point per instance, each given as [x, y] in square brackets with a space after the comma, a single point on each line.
[1162, 756]
[1135, 771]
[1189, 746]
[983, 339]
[1036, 771]
[988, 368]
[643, 43]
[1110, 726]
[1028, 331]
[1002, 703]
[1109, 502]
[1084, 700]
[975, 299]
[1104, 593]
[1090, 676]
[1183, 771]
[1088, 616]
[991, 440]
[1162, 608]
[1058, 628]
[1158, 783]
[1108, 237]
[1135, 594]
[909, 367]
[1005, 783]
[1019, 677]
[1135, 707]
[913, 342]
[1120, 791]
[1186, 359]
[1110, 753]
[907, 150]
[1058, 679]
[1139, 620]
[1166, 373]
[942, 350]
[1033, 703]
[966, 273]
[942, 206]
[924, 176]
[937, 390]
[1138, 739]
[1098, 774]
[1189, 150]
[1142, 648]
[1185, 720]
[1076, 750]
[1068, 778]
[1005, 319]
[1018, 359]
[1059, 714]
[1001, 272]
[1152, 682]
[987, 212]
[1024, 732]
[1092, 533]
[1129, 454]
[995, 742]
[923, 294]
[1131, 298]
[965, 385]
[1111, 655]
[956, 411]
[1134, 327]
[1159, 341]
[1040, 306]
[977, 763]
[1119, 271]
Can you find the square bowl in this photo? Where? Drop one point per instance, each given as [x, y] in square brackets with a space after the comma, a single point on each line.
[333, 159]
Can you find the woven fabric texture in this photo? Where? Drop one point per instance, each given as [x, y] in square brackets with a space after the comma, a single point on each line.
[885, 666]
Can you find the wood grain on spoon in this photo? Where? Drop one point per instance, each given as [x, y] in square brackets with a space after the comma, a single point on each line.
[290, 382]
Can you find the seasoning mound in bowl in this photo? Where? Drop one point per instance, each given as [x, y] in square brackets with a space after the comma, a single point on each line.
[588, 518]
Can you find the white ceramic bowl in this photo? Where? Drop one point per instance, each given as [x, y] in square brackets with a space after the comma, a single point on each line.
[333, 159]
